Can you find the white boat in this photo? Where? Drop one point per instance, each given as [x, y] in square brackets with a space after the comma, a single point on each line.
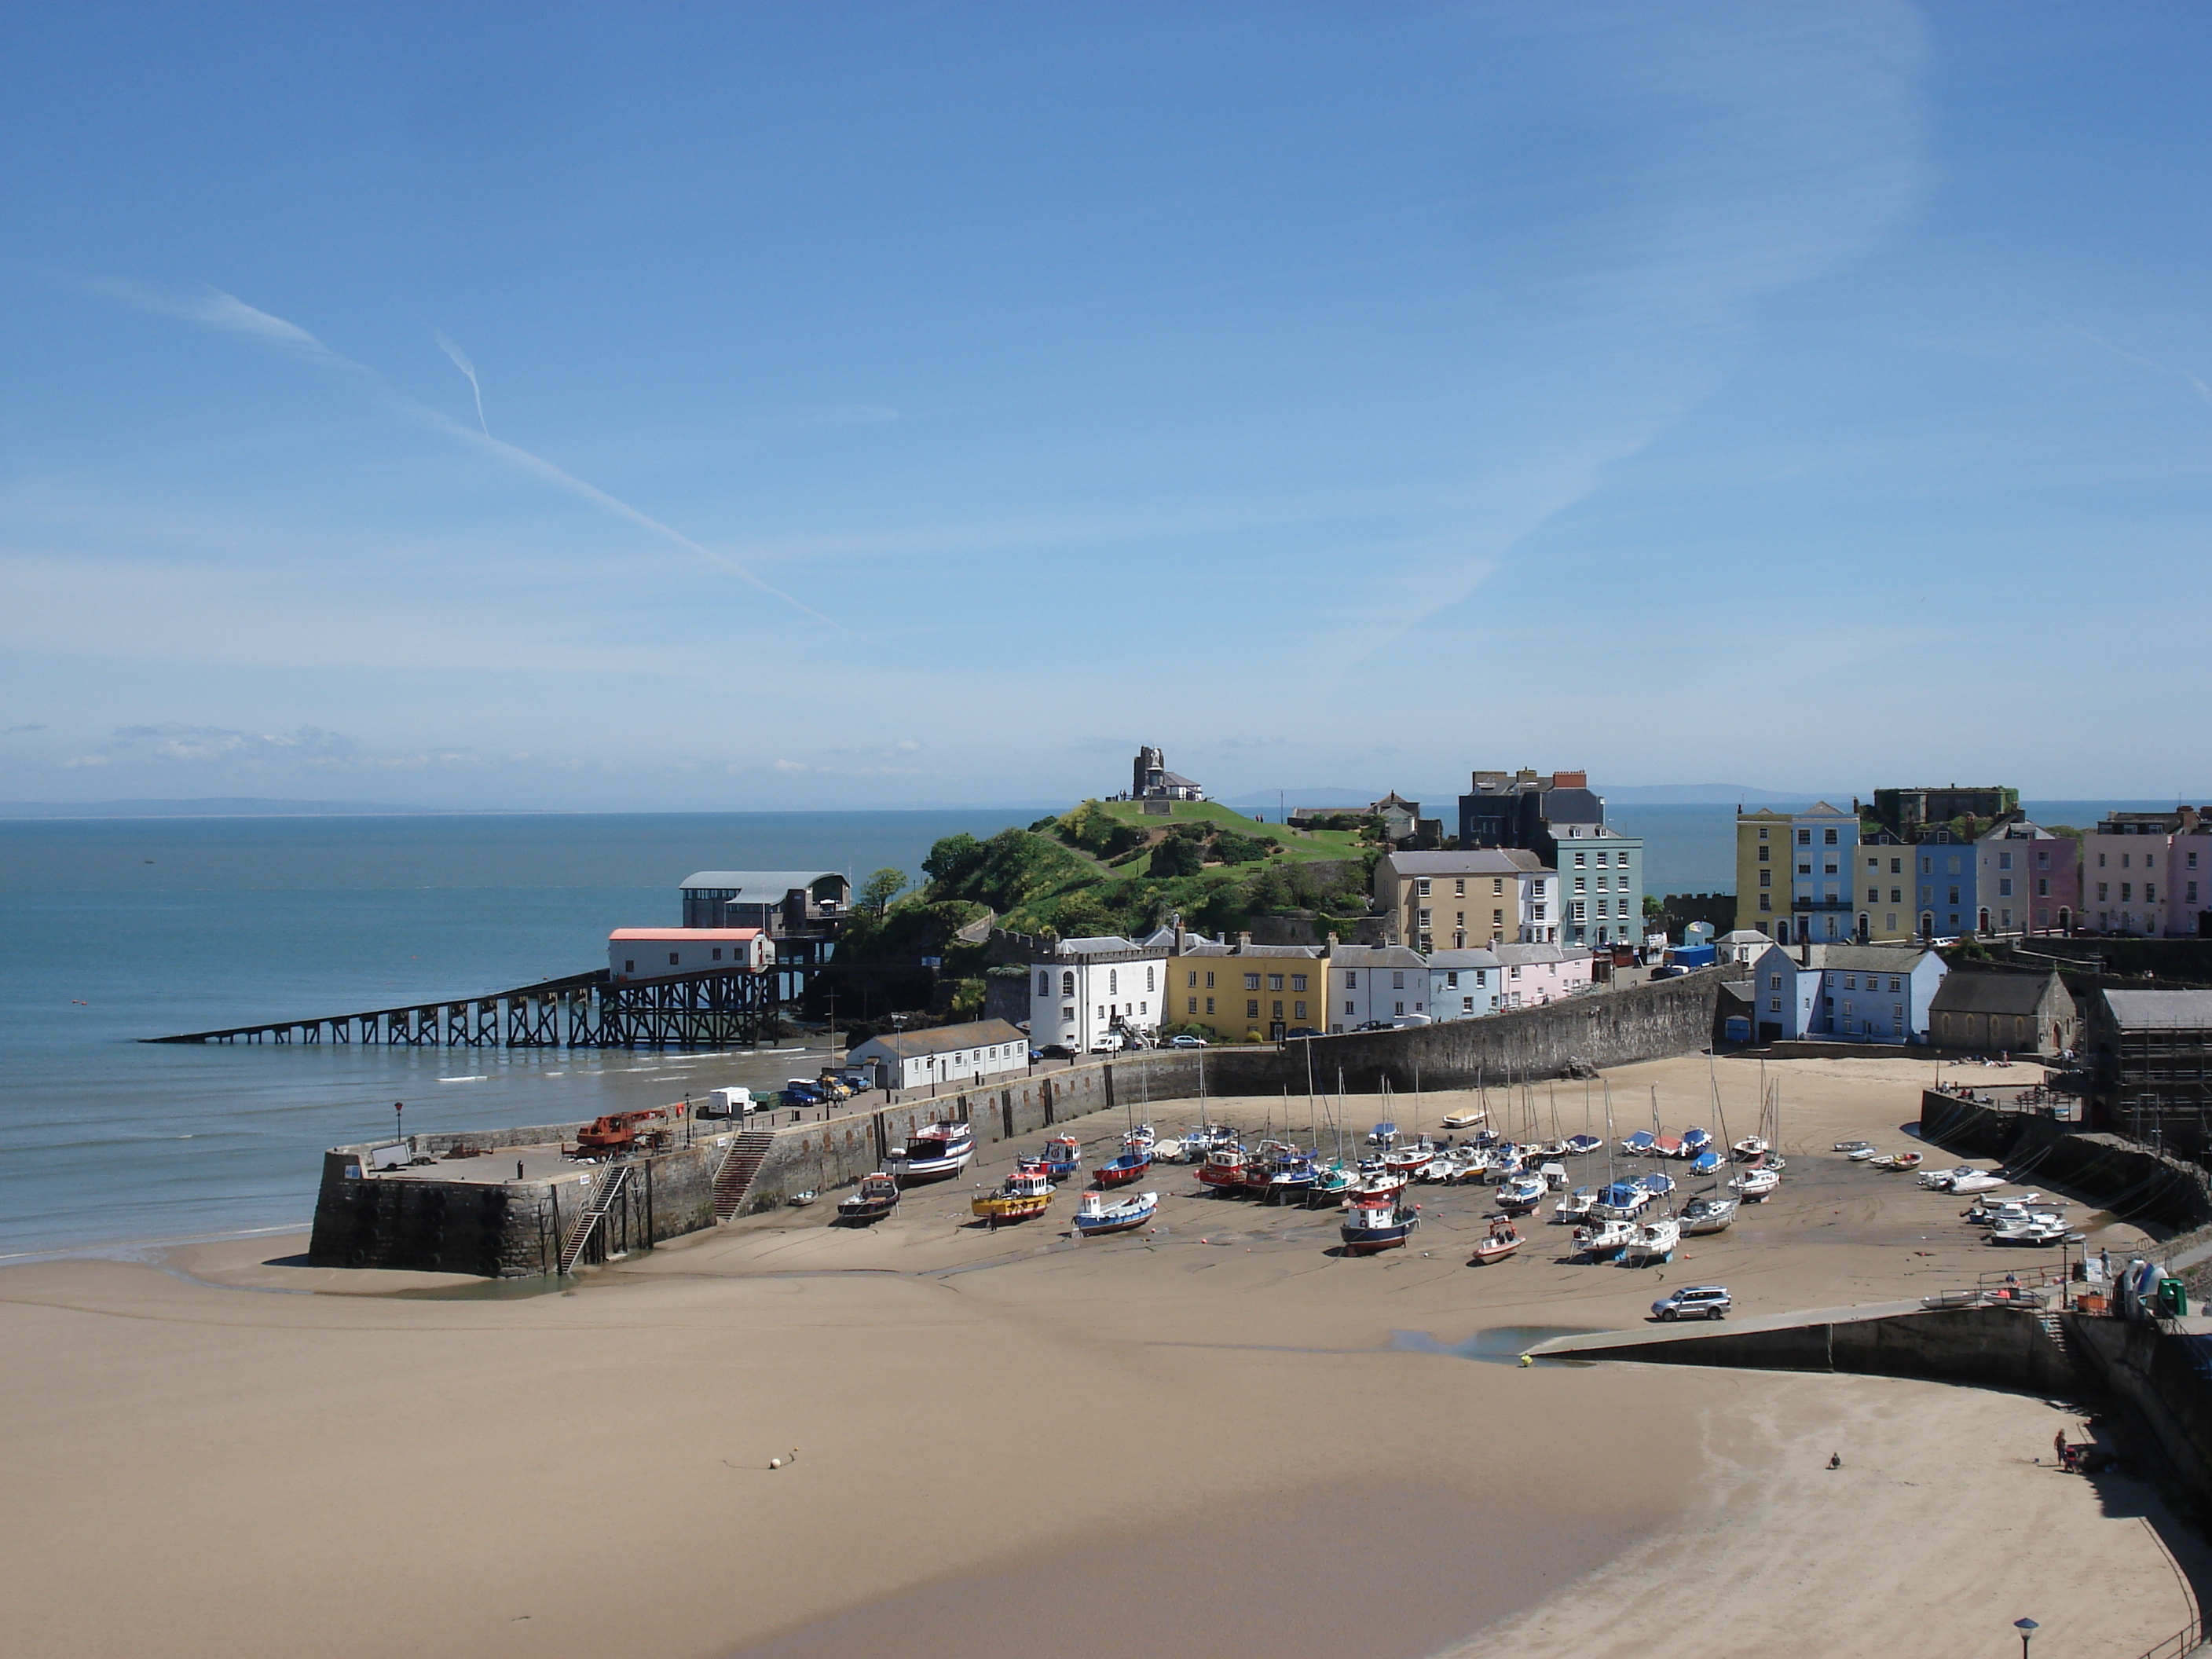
[1098, 1213]
[1707, 1215]
[1861, 1153]
[1167, 1151]
[1655, 1240]
[1755, 1186]
[1979, 1181]
[1468, 1119]
[1620, 1200]
[1855, 1147]
[1555, 1176]
[1749, 1147]
[2030, 1234]
[1518, 1194]
[1574, 1207]
[1603, 1238]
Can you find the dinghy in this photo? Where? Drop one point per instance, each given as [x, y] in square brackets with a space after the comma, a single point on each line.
[1097, 1213]
[1503, 1239]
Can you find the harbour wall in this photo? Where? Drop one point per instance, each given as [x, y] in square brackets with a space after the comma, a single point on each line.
[513, 1229]
[1999, 1348]
[2109, 1171]
[2154, 1373]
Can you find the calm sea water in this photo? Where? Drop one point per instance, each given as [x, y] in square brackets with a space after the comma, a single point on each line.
[110, 931]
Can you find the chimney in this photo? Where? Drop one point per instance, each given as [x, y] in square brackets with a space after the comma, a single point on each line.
[1804, 953]
[1181, 939]
[1244, 941]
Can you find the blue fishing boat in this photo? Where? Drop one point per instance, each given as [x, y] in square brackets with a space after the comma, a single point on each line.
[1062, 1153]
[1376, 1222]
[1098, 1213]
[1291, 1176]
[1519, 1194]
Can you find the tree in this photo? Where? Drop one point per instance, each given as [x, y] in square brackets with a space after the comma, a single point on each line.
[951, 860]
[880, 889]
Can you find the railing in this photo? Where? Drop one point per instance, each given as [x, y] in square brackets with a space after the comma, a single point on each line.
[2187, 1639]
[605, 1192]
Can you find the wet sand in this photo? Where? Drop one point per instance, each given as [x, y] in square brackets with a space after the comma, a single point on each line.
[1216, 1436]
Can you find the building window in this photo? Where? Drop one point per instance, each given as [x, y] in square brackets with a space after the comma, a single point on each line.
[1762, 835]
[1274, 982]
[1209, 979]
[2004, 887]
[1148, 978]
[1193, 1004]
[1398, 981]
[1209, 1004]
[1297, 982]
[1251, 981]
[1350, 1008]
[1498, 918]
[1762, 854]
[2150, 892]
[1351, 981]
[1829, 837]
[630, 966]
[1113, 981]
[1301, 1011]
[1251, 1008]
[1067, 984]
[1582, 860]
[1421, 887]
[1804, 838]
[1459, 888]
[1582, 884]
[2127, 896]
[1497, 886]
[1765, 901]
[718, 953]
[2043, 887]
[671, 959]
[1398, 1008]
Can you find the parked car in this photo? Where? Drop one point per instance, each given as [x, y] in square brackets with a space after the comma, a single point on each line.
[1670, 971]
[1109, 1044]
[1186, 1040]
[1693, 1302]
[801, 1091]
[1296, 1031]
[1372, 1025]
[1056, 1051]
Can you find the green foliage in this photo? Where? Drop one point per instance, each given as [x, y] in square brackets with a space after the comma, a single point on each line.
[1653, 910]
[951, 861]
[968, 999]
[1177, 855]
[1097, 833]
[1233, 848]
[880, 889]
[1084, 914]
[1005, 871]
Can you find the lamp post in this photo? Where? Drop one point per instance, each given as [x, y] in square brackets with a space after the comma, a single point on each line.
[2026, 1627]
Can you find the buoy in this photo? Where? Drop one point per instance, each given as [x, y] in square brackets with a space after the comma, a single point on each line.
[1527, 1359]
[776, 1462]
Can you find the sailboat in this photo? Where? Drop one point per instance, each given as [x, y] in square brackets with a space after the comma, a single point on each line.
[1655, 1240]
[1711, 1210]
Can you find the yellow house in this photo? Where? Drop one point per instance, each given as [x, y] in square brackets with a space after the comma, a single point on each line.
[1244, 993]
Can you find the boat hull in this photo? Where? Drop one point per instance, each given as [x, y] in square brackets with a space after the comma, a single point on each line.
[1366, 1240]
[1117, 1218]
[1123, 1171]
[999, 1207]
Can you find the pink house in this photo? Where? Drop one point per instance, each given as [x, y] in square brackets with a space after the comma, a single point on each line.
[2146, 873]
[2027, 880]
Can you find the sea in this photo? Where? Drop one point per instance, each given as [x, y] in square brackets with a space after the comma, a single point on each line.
[112, 931]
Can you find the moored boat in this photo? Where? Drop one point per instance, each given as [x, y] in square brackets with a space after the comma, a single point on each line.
[1504, 1239]
[1603, 1238]
[1376, 1222]
[1706, 1163]
[1097, 1213]
[1710, 1214]
[1518, 1194]
[1063, 1154]
[1027, 1193]
[1574, 1207]
[932, 1152]
[1333, 1182]
[1584, 1145]
[1129, 1166]
[1755, 1186]
[1638, 1143]
[1695, 1142]
[878, 1196]
[1749, 1147]
[1620, 1201]
[1655, 1240]
[1224, 1169]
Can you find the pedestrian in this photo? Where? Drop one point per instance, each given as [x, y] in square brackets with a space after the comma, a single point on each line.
[518, 1169]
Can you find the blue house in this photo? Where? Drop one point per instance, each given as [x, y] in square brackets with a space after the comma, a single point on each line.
[1945, 883]
[1852, 992]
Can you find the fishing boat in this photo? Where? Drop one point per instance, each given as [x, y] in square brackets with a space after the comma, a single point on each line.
[1097, 1213]
[1062, 1154]
[1504, 1239]
[1224, 1169]
[1749, 1147]
[1603, 1238]
[1710, 1214]
[1620, 1201]
[1331, 1183]
[932, 1152]
[1706, 1162]
[1655, 1240]
[1584, 1145]
[1574, 1208]
[1377, 1184]
[1979, 1181]
[878, 1196]
[1376, 1222]
[1755, 1186]
[1202, 1137]
[1519, 1194]
[1142, 1136]
[1027, 1193]
[1290, 1175]
[1129, 1166]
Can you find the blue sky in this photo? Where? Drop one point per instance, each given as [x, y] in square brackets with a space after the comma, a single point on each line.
[901, 403]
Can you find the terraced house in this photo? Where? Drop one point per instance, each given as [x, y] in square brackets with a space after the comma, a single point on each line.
[1796, 874]
[1245, 992]
[1457, 901]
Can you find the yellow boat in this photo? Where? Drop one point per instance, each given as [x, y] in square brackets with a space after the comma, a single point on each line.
[1027, 1192]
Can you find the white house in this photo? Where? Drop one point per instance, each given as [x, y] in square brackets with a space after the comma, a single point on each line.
[1089, 987]
[641, 953]
[1464, 984]
[1375, 982]
[951, 1056]
[1542, 972]
[1854, 992]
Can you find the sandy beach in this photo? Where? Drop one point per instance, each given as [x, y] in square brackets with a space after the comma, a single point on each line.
[1213, 1437]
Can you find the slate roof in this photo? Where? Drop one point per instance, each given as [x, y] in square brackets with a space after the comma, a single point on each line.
[1470, 958]
[943, 1040]
[2169, 1011]
[758, 885]
[1472, 861]
[1971, 992]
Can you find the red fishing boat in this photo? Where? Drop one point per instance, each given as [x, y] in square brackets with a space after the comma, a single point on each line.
[1223, 1169]
[1130, 1166]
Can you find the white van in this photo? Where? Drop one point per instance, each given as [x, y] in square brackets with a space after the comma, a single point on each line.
[728, 1102]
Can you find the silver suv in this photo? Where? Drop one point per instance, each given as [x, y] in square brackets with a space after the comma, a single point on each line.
[1693, 1302]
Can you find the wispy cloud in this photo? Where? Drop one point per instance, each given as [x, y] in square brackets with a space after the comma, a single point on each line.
[461, 362]
[214, 309]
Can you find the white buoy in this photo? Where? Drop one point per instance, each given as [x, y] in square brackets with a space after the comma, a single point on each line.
[776, 1462]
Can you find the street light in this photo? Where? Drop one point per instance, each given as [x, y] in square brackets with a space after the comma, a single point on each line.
[2026, 1627]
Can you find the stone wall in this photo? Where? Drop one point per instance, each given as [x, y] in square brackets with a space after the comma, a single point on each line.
[2110, 1171]
[2148, 1371]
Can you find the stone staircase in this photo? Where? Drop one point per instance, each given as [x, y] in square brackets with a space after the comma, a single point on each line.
[734, 1179]
[606, 1192]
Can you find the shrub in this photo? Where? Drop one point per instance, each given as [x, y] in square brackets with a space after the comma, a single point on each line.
[1234, 848]
[1177, 855]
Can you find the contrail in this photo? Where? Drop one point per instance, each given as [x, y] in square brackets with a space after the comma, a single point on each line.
[226, 313]
[2203, 389]
[461, 362]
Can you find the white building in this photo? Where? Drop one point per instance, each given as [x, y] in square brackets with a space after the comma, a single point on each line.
[949, 1056]
[1089, 987]
[1380, 983]
[1464, 984]
[641, 953]
[1542, 972]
